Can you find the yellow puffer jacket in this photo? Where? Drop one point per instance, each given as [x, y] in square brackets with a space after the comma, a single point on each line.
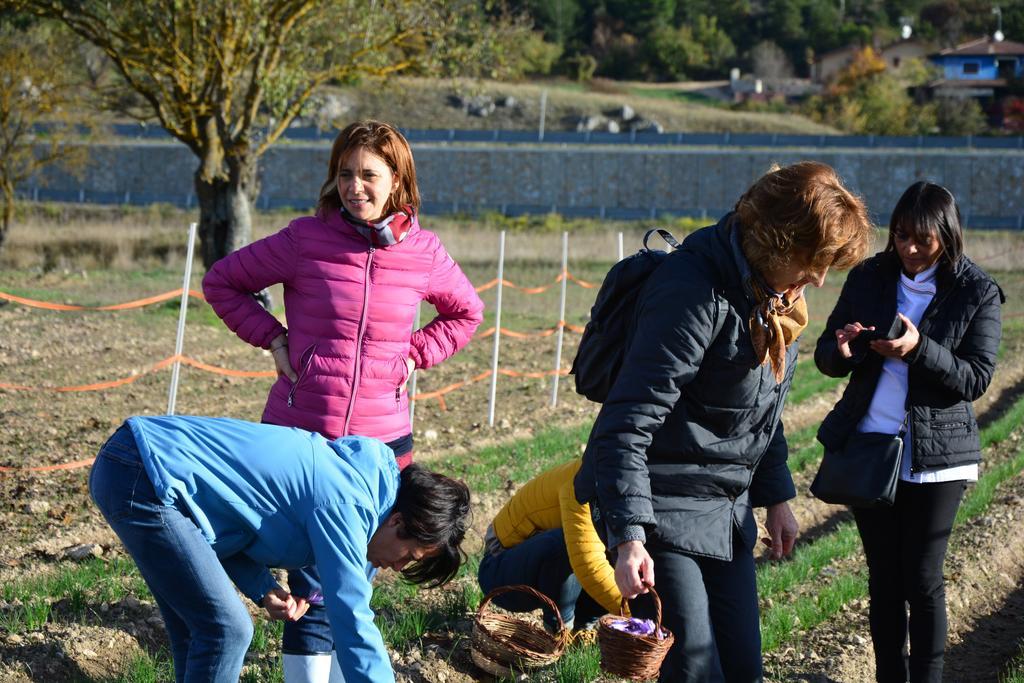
[547, 502]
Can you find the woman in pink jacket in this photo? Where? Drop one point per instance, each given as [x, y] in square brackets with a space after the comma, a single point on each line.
[353, 275]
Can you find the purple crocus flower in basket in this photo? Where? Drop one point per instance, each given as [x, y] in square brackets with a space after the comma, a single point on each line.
[638, 627]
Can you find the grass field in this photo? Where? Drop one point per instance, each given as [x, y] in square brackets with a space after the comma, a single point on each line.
[92, 618]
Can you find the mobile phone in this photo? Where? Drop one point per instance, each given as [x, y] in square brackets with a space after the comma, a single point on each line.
[894, 330]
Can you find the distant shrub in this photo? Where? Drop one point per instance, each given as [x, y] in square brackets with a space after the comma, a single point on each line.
[960, 116]
[583, 66]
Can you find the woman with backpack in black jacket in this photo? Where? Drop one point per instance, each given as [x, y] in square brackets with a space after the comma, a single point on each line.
[944, 315]
[689, 438]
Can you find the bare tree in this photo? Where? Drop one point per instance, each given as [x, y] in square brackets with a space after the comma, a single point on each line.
[770, 61]
[227, 78]
[39, 104]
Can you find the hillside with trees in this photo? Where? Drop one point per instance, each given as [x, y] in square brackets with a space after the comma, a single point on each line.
[702, 39]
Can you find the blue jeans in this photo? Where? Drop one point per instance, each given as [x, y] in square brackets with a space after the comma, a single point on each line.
[208, 626]
[312, 635]
[541, 562]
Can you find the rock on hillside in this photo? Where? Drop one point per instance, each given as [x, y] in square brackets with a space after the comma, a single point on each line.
[488, 105]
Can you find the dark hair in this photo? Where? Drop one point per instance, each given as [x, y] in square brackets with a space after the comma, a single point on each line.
[435, 512]
[385, 141]
[802, 213]
[927, 210]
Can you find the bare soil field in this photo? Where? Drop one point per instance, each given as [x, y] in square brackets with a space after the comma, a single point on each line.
[49, 524]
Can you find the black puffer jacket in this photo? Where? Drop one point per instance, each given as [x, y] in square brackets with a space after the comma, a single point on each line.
[951, 367]
[690, 437]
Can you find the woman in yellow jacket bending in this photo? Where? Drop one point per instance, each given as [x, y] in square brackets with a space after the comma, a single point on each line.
[543, 538]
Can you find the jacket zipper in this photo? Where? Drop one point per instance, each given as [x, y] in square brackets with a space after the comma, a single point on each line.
[359, 342]
[405, 382]
[311, 349]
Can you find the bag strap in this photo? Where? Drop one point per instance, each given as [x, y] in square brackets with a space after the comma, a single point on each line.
[671, 241]
[669, 238]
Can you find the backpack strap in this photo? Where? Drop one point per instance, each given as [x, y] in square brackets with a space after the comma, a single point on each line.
[671, 241]
[669, 238]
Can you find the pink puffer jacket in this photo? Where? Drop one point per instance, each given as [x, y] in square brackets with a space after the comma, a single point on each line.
[350, 311]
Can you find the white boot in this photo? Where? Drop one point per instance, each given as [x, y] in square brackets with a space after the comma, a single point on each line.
[336, 675]
[308, 668]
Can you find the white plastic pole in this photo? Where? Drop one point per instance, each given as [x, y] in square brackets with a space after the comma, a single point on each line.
[561, 318]
[621, 253]
[412, 380]
[543, 114]
[179, 342]
[497, 330]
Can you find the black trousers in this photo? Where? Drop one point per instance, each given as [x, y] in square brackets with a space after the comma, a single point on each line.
[905, 547]
[711, 607]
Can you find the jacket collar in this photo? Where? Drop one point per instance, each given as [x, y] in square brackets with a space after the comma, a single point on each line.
[389, 231]
[748, 277]
[945, 277]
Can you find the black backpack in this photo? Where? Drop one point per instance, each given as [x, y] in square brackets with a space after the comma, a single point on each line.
[604, 341]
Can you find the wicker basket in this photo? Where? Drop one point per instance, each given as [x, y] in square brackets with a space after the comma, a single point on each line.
[637, 658]
[502, 644]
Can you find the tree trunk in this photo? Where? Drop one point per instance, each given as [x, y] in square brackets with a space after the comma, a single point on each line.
[8, 210]
[225, 207]
[225, 211]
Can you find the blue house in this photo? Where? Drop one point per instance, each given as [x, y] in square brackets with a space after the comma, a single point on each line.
[979, 68]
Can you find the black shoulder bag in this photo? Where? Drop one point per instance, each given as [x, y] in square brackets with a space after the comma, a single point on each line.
[864, 473]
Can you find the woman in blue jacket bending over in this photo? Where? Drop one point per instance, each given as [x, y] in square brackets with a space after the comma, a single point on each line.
[206, 504]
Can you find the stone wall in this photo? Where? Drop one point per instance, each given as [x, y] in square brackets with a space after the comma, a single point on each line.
[584, 180]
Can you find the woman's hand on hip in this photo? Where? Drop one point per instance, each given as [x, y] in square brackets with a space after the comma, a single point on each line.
[279, 350]
[900, 346]
[282, 605]
[846, 334]
[782, 530]
[633, 569]
[410, 365]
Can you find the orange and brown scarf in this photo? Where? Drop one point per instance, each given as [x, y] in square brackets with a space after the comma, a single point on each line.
[774, 324]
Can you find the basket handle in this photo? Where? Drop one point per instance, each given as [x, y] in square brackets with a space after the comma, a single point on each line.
[522, 587]
[657, 607]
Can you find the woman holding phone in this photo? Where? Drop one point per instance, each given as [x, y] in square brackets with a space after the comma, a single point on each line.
[917, 328]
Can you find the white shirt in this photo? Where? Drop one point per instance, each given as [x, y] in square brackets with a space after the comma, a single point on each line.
[888, 405]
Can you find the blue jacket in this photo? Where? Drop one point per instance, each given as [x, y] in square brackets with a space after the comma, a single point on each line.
[269, 496]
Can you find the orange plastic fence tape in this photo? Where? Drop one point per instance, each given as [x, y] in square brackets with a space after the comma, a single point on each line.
[195, 294]
[49, 468]
[138, 303]
[529, 335]
[159, 365]
[185, 360]
[508, 283]
[583, 283]
[536, 290]
[438, 394]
